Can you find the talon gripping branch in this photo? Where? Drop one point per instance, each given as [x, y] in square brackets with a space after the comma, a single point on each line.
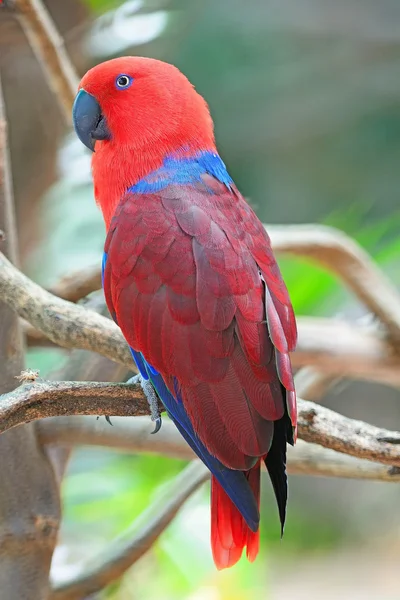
[190, 277]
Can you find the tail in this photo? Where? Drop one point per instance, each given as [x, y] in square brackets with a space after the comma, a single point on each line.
[230, 533]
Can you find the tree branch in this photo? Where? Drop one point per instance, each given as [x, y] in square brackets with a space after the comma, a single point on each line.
[133, 435]
[312, 384]
[49, 48]
[327, 428]
[311, 459]
[341, 349]
[35, 338]
[334, 347]
[317, 424]
[64, 323]
[343, 256]
[125, 550]
[57, 398]
[72, 287]
[78, 284]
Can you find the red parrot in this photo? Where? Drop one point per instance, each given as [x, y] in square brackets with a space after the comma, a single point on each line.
[190, 278]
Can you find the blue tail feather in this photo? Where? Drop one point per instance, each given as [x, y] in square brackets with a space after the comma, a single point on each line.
[233, 482]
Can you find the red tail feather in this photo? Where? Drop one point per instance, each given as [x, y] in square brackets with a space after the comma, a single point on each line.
[229, 531]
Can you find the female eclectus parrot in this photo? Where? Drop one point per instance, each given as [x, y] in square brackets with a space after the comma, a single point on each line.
[190, 278]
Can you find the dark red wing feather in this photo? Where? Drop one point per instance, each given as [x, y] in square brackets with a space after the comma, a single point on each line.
[195, 287]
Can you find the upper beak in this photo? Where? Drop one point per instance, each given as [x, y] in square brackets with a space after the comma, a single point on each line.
[89, 123]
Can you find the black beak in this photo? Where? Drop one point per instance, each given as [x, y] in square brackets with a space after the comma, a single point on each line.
[89, 123]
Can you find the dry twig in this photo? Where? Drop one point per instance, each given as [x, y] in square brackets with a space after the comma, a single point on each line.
[327, 428]
[78, 284]
[133, 435]
[49, 48]
[136, 540]
[57, 398]
[316, 423]
[343, 256]
[66, 324]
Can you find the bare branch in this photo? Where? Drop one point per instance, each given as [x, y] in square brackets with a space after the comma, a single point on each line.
[312, 384]
[311, 459]
[50, 50]
[341, 349]
[126, 435]
[316, 423]
[66, 324]
[56, 398]
[133, 435]
[336, 348]
[72, 287]
[126, 550]
[327, 428]
[78, 284]
[343, 256]
[34, 337]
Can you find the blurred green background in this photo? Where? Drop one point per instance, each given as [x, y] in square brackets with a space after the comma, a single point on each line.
[305, 95]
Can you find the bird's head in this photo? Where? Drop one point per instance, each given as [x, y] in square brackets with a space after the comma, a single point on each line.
[133, 112]
[139, 102]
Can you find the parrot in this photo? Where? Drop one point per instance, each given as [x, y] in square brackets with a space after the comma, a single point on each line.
[190, 278]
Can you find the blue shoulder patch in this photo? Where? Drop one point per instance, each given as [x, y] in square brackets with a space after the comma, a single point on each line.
[182, 171]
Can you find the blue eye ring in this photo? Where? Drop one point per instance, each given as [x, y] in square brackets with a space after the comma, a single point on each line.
[123, 81]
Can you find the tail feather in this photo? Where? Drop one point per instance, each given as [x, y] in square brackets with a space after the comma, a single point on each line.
[230, 533]
[276, 466]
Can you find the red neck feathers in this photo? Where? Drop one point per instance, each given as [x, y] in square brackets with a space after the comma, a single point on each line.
[159, 115]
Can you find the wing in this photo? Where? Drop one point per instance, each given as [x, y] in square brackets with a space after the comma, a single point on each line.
[195, 288]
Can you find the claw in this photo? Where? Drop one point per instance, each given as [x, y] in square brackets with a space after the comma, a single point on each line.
[108, 419]
[158, 423]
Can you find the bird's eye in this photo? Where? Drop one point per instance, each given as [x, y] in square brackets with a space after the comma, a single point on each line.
[123, 81]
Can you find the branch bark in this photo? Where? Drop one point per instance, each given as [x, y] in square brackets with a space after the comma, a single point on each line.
[50, 51]
[344, 257]
[327, 428]
[121, 554]
[78, 284]
[133, 435]
[66, 324]
[57, 398]
[316, 424]
[340, 349]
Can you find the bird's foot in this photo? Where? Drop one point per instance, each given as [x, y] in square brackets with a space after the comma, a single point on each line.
[151, 397]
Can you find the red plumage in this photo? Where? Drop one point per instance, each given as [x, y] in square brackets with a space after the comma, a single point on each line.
[189, 292]
[229, 532]
[194, 285]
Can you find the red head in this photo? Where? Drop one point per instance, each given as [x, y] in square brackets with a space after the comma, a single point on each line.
[134, 112]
